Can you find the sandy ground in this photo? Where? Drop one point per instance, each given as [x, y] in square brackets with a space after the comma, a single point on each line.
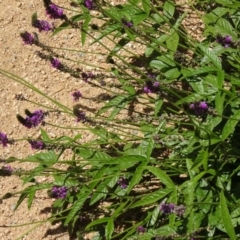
[20, 59]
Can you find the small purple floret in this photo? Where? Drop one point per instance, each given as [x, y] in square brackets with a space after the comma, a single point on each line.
[122, 182]
[76, 95]
[56, 63]
[167, 208]
[27, 38]
[59, 192]
[55, 12]
[3, 139]
[43, 25]
[38, 145]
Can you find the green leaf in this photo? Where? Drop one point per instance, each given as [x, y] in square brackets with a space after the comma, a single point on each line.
[172, 73]
[168, 9]
[225, 28]
[75, 209]
[152, 197]
[137, 176]
[154, 217]
[172, 42]
[226, 218]
[31, 196]
[117, 101]
[211, 55]
[64, 25]
[85, 28]
[230, 125]
[163, 177]
[158, 105]
[45, 136]
[98, 221]
[109, 229]
[190, 72]
[21, 198]
[146, 6]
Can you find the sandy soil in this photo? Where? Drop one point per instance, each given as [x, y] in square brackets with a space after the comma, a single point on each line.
[15, 17]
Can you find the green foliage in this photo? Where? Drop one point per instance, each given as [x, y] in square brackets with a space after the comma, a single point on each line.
[168, 133]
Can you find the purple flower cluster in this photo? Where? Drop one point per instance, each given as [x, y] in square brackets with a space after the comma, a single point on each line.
[225, 41]
[76, 95]
[167, 208]
[55, 12]
[7, 170]
[141, 229]
[199, 108]
[56, 63]
[59, 192]
[33, 120]
[43, 25]
[3, 139]
[81, 116]
[89, 4]
[122, 183]
[27, 38]
[151, 87]
[86, 76]
[126, 23]
[38, 145]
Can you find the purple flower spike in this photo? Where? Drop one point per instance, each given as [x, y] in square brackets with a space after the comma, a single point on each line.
[38, 145]
[128, 24]
[199, 108]
[141, 229]
[55, 12]
[33, 120]
[225, 41]
[7, 170]
[122, 182]
[3, 139]
[56, 63]
[43, 25]
[76, 95]
[59, 192]
[167, 208]
[151, 87]
[86, 76]
[81, 116]
[89, 4]
[27, 38]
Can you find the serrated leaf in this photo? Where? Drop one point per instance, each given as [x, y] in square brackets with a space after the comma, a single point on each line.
[44, 135]
[190, 72]
[225, 28]
[163, 177]
[31, 197]
[64, 25]
[172, 42]
[85, 28]
[98, 221]
[146, 6]
[137, 176]
[152, 197]
[189, 99]
[109, 229]
[172, 73]
[168, 9]
[158, 105]
[230, 125]
[226, 218]
[76, 207]
[112, 103]
[212, 56]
